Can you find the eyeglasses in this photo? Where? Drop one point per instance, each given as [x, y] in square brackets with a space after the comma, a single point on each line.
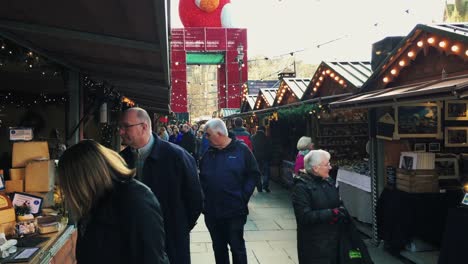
[325, 165]
[125, 127]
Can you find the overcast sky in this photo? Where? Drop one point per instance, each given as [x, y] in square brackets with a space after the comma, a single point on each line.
[276, 27]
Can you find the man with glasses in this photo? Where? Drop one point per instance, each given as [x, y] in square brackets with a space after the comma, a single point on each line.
[172, 175]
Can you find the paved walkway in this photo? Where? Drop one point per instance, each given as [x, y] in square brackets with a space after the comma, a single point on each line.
[270, 233]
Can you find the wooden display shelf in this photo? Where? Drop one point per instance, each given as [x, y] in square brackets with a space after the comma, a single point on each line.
[59, 243]
[335, 145]
[343, 123]
[362, 135]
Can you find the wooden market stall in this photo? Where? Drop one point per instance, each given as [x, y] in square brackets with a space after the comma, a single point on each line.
[418, 131]
[344, 133]
[59, 63]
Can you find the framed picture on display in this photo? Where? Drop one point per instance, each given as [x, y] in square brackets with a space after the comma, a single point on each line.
[434, 147]
[418, 121]
[456, 136]
[420, 147]
[408, 160]
[465, 199]
[456, 110]
[447, 168]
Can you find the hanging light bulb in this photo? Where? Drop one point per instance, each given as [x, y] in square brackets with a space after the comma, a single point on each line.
[442, 44]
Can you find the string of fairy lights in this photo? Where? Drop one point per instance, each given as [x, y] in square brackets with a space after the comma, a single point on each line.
[14, 58]
[17, 59]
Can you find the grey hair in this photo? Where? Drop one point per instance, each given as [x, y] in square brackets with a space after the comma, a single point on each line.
[217, 125]
[303, 143]
[142, 115]
[314, 158]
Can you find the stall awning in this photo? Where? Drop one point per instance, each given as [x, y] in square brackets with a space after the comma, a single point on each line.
[225, 112]
[124, 42]
[205, 58]
[450, 88]
[297, 85]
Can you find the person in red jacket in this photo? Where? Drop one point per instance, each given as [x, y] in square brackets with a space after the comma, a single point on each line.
[242, 134]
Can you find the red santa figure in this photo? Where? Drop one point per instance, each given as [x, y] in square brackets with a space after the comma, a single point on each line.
[205, 13]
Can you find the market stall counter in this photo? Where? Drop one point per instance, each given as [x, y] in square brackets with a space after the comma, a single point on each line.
[454, 243]
[58, 247]
[355, 191]
[403, 216]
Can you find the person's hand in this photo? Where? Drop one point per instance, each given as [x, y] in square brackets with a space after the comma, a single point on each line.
[339, 214]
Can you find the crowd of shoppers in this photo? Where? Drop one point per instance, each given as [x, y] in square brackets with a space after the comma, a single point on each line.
[140, 206]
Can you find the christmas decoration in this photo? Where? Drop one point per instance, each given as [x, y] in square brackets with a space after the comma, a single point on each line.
[205, 13]
[301, 112]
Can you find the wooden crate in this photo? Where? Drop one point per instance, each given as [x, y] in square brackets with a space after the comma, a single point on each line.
[417, 181]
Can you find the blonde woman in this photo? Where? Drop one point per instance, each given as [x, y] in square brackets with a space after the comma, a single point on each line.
[119, 219]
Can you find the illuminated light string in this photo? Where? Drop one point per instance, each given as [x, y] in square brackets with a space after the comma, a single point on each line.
[13, 54]
[411, 52]
[237, 84]
[321, 74]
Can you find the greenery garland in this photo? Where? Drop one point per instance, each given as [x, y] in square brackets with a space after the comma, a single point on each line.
[301, 112]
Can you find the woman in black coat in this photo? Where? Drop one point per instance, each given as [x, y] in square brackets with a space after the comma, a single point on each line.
[317, 208]
[119, 218]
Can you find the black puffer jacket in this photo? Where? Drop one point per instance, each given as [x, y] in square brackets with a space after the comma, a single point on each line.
[317, 237]
[125, 226]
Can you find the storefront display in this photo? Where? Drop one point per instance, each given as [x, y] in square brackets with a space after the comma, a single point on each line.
[343, 134]
[32, 215]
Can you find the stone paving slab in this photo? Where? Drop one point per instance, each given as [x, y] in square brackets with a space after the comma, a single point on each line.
[270, 233]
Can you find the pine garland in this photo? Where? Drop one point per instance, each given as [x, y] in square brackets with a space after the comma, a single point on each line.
[301, 112]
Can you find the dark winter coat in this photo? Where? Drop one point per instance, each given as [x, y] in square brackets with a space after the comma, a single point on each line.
[126, 226]
[317, 237]
[261, 146]
[171, 173]
[204, 145]
[228, 177]
[188, 142]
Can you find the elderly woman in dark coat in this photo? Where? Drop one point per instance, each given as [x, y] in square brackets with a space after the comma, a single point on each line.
[317, 208]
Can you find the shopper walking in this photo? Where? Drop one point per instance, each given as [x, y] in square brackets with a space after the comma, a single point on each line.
[228, 173]
[171, 173]
[262, 151]
[188, 140]
[119, 218]
[241, 133]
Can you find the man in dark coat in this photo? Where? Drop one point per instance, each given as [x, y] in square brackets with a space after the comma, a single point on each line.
[228, 173]
[262, 151]
[171, 173]
[188, 140]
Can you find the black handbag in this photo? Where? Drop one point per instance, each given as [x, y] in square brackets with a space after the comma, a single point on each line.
[351, 247]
